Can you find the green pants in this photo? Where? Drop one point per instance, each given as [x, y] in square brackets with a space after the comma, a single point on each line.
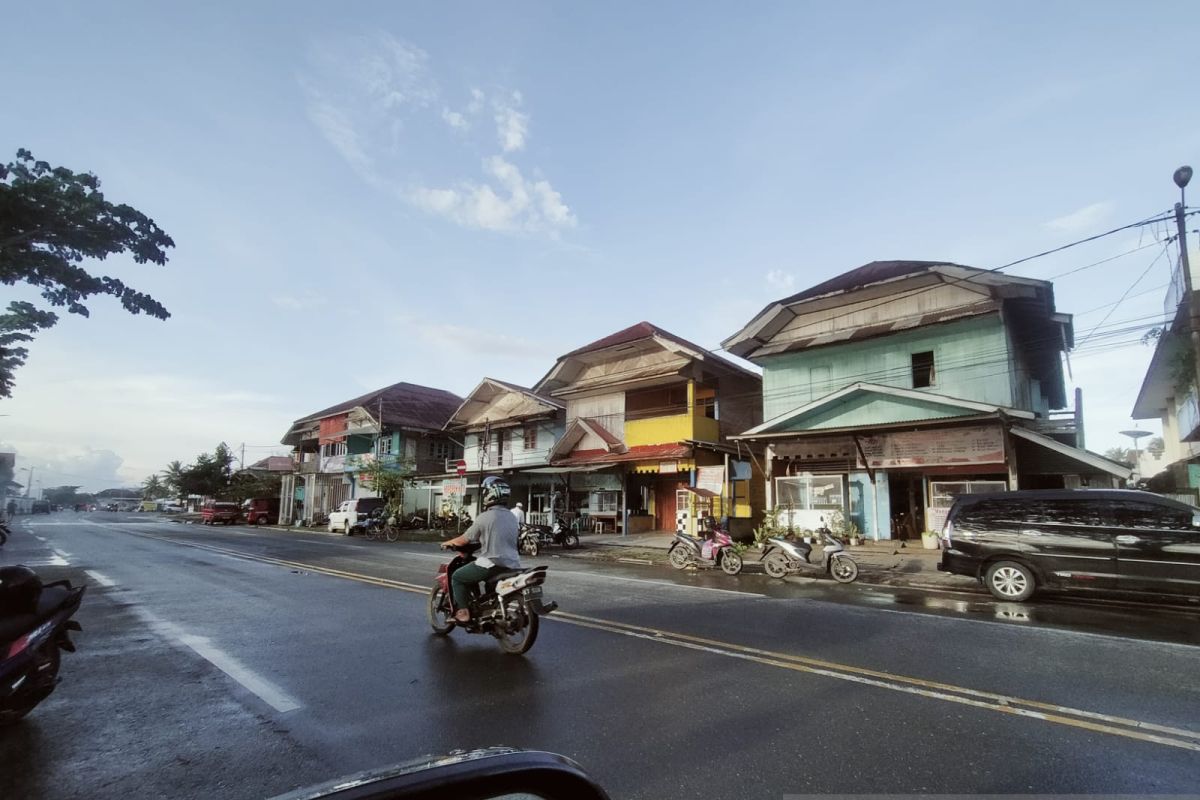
[466, 579]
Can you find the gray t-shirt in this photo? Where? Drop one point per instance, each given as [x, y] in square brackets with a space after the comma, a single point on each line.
[496, 531]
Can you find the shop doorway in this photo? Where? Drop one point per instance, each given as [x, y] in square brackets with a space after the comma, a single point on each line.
[907, 491]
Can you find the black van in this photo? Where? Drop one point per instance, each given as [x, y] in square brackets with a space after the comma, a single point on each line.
[1115, 539]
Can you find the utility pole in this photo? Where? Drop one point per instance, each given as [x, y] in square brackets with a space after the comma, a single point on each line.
[1182, 176]
[29, 485]
[242, 463]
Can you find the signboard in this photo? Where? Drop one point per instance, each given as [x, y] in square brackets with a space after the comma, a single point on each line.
[668, 467]
[935, 448]
[453, 488]
[711, 479]
[333, 464]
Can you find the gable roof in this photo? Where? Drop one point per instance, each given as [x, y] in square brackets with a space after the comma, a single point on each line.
[763, 326]
[551, 404]
[841, 395]
[273, 464]
[401, 405]
[642, 331]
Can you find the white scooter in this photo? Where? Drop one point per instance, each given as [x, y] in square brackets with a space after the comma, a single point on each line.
[784, 556]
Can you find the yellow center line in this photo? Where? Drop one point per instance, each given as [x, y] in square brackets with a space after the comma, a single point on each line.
[1006, 704]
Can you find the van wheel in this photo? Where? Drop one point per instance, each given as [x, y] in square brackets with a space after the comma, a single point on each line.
[1010, 581]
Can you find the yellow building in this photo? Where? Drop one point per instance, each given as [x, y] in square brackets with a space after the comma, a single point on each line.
[648, 416]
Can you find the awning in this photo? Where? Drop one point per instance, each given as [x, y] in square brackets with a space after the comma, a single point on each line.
[1098, 463]
[560, 470]
[701, 492]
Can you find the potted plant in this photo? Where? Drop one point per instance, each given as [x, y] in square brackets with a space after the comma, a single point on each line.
[929, 540]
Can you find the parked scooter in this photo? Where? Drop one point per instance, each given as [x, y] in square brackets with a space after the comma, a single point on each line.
[786, 555]
[4, 532]
[34, 623]
[508, 609]
[535, 537]
[714, 550]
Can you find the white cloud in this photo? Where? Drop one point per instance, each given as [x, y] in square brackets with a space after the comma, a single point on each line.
[59, 465]
[781, 281]
[1084, 220]
[301, 302]
[365, 93]
[512, 126]
[476, 104]
[514, 205]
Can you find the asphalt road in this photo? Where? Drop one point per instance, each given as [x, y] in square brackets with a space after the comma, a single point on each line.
[230, 662]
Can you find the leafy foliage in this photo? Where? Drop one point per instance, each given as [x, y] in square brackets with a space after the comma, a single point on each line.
[155, 488]
[1156, 447]
[389, 477]
[51, 220]
[65, 495]
[210, 476]
[1121, 455]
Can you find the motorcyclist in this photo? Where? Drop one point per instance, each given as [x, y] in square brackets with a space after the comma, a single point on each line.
[496, 531]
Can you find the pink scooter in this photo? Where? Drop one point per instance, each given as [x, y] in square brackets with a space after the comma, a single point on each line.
[714, 550]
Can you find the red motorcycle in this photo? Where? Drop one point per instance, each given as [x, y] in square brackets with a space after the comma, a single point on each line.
[508, 609]
[714, 550]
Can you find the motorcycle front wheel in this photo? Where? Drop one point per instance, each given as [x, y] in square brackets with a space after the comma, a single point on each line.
[439, 612]
[678, 557]
[570, 540]
[731, 563]
[844, 570]
[520, 640]
[531, 548]
[392, 532]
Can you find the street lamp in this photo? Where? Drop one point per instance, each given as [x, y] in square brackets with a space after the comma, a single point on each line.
[1136, 434]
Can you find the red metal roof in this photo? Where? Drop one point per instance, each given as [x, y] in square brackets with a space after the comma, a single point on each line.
[403, 404]
[647, 330]
[643, 452]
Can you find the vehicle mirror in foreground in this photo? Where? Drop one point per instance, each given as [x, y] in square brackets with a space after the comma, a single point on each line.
[486, 774]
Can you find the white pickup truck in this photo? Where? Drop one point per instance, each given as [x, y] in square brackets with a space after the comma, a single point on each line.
[352, 513]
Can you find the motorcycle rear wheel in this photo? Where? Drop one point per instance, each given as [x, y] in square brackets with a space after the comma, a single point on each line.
[776, 565]
[439, 612]
[25, 701]
[570, 540]
[517, 643]
[392, 532]
[844, 570]
[731, 563]
[531, 548]
[678, 558]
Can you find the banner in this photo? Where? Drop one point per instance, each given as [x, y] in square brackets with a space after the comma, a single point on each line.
[711, 479]
[935, 448]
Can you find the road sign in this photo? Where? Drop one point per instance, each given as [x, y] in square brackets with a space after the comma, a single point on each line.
[462, 467]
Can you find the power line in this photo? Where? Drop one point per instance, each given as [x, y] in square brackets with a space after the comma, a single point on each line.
[1121, 299]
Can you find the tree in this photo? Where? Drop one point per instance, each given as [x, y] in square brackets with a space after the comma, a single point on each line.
[154, 488]
[63, 495]
[1156, 447]
[174, 477]
[51, 219]
[388, 477]
[1121, 455]
[246, 485]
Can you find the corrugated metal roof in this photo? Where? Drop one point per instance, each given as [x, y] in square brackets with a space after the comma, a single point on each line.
[405, 405]
[647, 330]
[644, 452]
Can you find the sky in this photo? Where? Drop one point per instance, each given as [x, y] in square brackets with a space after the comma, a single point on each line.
[373, 192]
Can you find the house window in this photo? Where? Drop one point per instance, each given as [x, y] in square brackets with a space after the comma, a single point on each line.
[333, 449]
[531, 437]
[383, 445]
[922, 369]
[662, 402]
[439, 450]
[706, 402]
[606, 502]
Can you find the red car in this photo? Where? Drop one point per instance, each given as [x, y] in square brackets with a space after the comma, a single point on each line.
[261, 511]
[216, 511]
